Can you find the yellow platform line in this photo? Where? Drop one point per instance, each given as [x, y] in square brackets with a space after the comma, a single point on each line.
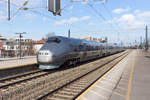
[84, 98]
[95, 83]
[130, 78]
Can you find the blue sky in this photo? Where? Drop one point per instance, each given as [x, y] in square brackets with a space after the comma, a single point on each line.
[119, 20]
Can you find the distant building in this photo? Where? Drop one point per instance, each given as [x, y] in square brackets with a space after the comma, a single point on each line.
[2, 41]
[11, 47]
[86, 38]
[38, 44]
[94, 39]
[2, 38]
[1, 47]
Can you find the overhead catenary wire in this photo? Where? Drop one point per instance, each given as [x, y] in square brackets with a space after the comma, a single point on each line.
[90, 5]
[99, 14]
[24, 4]
[109, 12]
[47, 16]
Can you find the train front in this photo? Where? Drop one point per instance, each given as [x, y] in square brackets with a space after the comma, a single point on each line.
[50, 56]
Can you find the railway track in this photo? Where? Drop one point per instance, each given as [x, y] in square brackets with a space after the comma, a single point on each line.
[5, 82]
[41, 84]
[72, 89]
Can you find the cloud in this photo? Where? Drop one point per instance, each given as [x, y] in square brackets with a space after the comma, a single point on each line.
[44, 18]
[120, 10]
[90, 23]
[72, 20]
[132, 20]
[2, 17]
[137, 11]
[29, 16]
[71, 7]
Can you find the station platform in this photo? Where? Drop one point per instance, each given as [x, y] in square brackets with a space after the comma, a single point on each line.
[15, 58]
[8, 63]
[128, 80]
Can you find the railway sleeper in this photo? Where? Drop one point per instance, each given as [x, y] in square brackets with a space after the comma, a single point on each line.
[66, 93]
[53, 98]
[66, 97]
[76, 87]
[68, 90]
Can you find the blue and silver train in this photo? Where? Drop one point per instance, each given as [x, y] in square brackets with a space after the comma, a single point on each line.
[59, 50]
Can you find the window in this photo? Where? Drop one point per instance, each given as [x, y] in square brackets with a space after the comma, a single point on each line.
[56, 40]
[81, 47]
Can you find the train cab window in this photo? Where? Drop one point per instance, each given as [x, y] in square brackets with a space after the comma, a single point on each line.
[56, 40]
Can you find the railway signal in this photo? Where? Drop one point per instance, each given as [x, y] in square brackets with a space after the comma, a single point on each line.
[54, 7]
[8, 9]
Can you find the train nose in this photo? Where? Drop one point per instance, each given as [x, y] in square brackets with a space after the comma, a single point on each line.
[45, 56]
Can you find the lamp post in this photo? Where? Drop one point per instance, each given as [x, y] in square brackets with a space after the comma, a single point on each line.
[20, 36]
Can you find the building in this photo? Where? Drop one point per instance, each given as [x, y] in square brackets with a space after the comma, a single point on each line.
[94, 39]
[13, 46]
[1, 47]
[2, 40]
[38, 44]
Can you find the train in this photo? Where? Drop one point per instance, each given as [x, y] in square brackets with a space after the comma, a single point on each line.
[59, 50]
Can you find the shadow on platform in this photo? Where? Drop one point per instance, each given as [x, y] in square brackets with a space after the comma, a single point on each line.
[147, 56]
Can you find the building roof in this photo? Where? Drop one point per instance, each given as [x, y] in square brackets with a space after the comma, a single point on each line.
[42, 41]
[3, 38]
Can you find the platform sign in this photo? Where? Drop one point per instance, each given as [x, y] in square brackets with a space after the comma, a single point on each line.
[54, 7]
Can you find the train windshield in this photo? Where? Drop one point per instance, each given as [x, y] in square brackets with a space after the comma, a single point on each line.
[56, 40]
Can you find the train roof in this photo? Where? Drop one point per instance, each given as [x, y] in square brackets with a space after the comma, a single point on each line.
[80, 41]
[83, 41]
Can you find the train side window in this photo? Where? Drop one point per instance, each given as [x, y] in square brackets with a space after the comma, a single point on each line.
[87, 48]
[81, 47]
[75, 49]
[92, 48]
[96, 48]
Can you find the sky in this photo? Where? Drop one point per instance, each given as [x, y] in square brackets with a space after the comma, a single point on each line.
[119, 20]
